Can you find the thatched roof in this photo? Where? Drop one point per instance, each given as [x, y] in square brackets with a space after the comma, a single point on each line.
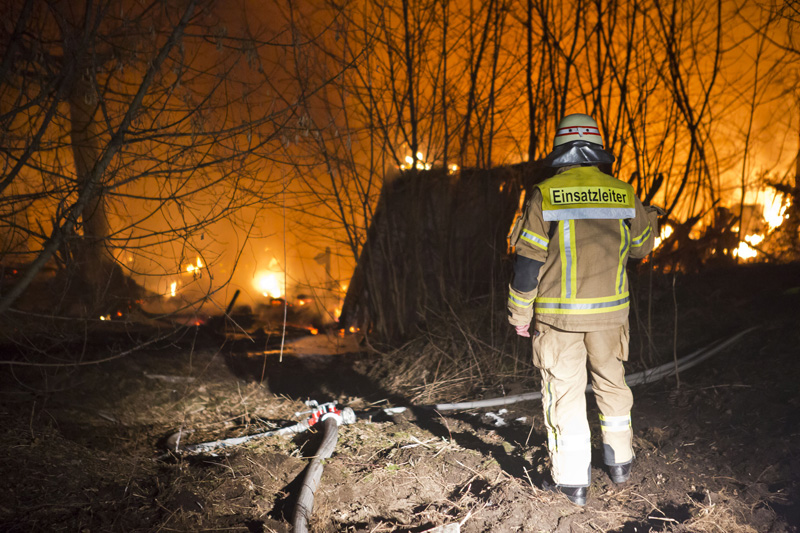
[437, 242]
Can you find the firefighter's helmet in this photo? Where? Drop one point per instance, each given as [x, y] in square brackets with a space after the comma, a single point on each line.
[577, 127]
[578, 143]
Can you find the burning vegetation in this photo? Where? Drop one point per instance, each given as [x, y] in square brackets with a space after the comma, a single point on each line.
[194, 192]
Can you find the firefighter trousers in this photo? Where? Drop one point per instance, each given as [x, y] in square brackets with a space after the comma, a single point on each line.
[562, 358]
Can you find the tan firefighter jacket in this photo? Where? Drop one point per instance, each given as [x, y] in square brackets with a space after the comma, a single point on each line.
[581, 226]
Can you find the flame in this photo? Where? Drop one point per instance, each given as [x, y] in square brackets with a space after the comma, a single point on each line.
[173, 288]
[744, 251]
[775, 211]
[421, 164]
[666, 231]
[196, 266]
[269, 284]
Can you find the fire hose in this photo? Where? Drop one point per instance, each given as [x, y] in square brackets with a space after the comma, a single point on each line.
[330, 417]
[639, 378]
[317, 414]
[330, 434]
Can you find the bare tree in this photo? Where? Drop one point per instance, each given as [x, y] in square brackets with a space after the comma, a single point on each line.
[129, 129]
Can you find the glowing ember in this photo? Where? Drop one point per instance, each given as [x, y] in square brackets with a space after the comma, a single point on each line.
[269, 284]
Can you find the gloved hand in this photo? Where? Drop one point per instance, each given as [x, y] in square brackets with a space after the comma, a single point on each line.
[523, 331]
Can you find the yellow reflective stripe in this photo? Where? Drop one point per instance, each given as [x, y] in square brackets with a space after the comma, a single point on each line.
[614, 424]
[639, 241]
[593, 311]
[602, 299]
[564, 271]
[623, 252]
[569, 270]
[582, 306]
[534, 239]
[573, 250]
[520, 302]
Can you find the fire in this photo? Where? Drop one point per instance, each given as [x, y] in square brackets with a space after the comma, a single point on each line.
[421, 164]
[196, 266]
[745, 251]
[775, 211]
[269, 284]
[173, 288]
[666, 231]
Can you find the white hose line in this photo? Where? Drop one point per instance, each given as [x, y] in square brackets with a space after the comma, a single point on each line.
[347, 416]
[639, 378]
[174, 441]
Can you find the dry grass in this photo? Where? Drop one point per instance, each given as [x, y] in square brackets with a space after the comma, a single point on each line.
[453, 361]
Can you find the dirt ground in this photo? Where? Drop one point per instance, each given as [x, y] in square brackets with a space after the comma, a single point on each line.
[719, 451]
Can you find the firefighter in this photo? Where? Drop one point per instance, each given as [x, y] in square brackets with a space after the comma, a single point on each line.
[572, 243]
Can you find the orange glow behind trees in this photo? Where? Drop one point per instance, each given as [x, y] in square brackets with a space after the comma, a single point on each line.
[692, 98]
[167, 132]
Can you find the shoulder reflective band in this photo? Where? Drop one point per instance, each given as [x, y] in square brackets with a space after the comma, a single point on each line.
[587, 201]
[640, 240]
[535, 239]
[615, 424]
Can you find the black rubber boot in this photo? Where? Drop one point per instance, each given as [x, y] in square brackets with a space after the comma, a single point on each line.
[620, 473]
[575, 494]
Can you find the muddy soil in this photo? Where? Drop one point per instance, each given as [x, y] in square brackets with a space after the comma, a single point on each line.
[717, 450]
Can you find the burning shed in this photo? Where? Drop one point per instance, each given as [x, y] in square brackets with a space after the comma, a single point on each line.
[437, 242]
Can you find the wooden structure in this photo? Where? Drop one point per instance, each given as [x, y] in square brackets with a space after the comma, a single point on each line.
[437, 242]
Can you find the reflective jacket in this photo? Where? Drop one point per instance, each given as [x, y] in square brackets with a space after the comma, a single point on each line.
[573, 242]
